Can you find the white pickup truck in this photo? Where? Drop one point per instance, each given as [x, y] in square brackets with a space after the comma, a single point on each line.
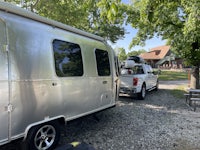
[136, 79]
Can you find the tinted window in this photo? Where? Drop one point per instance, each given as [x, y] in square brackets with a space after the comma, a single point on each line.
[149, 69]
[68, 59]
[134, 70]
[103, 65]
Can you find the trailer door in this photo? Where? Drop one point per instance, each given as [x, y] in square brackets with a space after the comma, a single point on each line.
[116, 77]
[104, 81]
[3, 84]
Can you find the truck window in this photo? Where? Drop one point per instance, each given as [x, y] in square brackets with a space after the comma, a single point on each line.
[68, 59]
[134, 70]
[139, 70]
[103, 64]
[149, 69]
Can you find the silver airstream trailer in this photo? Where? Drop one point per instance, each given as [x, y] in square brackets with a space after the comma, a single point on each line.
[50, 73]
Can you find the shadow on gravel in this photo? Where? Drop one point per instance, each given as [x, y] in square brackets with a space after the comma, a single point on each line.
[83, 126]
[170, 99]
[14, 145]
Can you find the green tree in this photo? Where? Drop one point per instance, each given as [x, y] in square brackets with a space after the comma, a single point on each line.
[121, 54]
[27, 4]
[136, 53]
[87, 15]
[177, 21]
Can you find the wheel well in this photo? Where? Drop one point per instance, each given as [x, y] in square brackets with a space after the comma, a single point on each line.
[60, 120]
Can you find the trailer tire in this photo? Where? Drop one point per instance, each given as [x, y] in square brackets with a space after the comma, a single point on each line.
[45, 136]
[142, 93]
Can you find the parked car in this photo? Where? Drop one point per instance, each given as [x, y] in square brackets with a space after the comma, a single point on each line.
[137, 78]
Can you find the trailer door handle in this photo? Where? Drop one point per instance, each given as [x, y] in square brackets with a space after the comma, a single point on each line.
[105, 82]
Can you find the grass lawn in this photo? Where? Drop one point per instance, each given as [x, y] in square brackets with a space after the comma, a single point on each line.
[173, 75]
[179, 92]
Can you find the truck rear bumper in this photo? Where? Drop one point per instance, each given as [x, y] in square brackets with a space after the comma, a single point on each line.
[126, 90]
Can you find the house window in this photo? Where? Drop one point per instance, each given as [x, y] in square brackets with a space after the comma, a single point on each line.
[68, 59]
[103, 64]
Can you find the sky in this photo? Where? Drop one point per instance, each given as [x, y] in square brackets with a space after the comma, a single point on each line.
[131, 32]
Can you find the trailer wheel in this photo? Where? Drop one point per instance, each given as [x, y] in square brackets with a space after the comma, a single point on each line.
[44, 137]
[142, 93]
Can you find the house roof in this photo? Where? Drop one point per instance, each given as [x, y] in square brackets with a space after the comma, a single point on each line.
[156, 53]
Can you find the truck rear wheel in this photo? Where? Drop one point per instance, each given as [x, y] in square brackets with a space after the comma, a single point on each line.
[142, 93]
[43, 137]
[157, 84]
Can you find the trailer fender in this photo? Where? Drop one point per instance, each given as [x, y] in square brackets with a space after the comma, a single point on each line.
[59, 119]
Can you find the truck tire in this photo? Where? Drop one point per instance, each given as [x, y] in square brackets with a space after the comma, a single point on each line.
[43, 137]
[156, 87]
[142, 93]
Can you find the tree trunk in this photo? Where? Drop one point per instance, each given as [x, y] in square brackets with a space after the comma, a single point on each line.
[194, 82]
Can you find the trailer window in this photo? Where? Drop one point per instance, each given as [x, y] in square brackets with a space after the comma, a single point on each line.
[103, 65]
[68, 59]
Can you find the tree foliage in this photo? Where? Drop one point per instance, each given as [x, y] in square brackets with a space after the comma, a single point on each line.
[136, 53]
[177, 21]
[87, 15]
[121, 54]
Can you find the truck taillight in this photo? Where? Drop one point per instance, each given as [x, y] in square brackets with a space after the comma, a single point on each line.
[135, 81]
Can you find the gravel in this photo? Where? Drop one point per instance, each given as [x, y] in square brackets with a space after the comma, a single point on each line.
[160, 122]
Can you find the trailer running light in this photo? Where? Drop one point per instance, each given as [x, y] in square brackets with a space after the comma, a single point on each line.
[135, 81]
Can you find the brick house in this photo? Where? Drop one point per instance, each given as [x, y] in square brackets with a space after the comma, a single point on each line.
[162, 57]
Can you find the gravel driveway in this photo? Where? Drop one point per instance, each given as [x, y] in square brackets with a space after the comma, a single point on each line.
[160, 122]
